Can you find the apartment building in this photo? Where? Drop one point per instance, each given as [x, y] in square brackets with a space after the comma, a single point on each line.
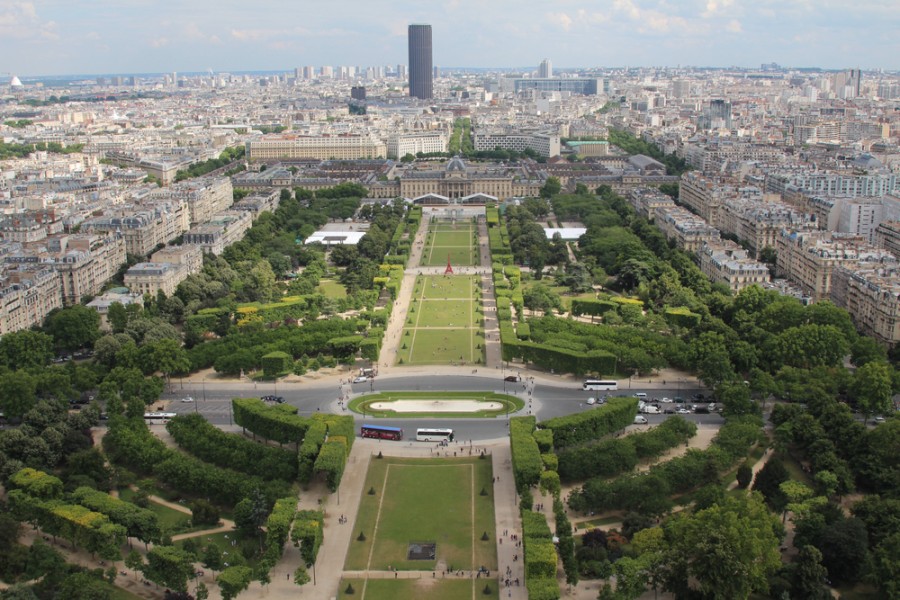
[810, 257]
[544, 144]
[872, 297]
[402, 144]
[219, 232]
[726, 262]
[189, 257]
[647, 200]
[144, 226]
[339, 146]
[703, 195]
[887, 236]
[204, 196]
[28, 292]
[758, 224]
[688, 231]
[150, 278]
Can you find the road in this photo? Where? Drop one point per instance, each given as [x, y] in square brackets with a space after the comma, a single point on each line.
[547, 400]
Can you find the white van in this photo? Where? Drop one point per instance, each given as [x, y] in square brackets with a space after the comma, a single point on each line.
[650, 409]
[591, 400]
[640, 395]
[640, 420]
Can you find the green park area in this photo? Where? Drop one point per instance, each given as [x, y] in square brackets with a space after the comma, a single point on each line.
[443, 326]
[421, 587]
[397, 517]
[436, 404]
[456, 240]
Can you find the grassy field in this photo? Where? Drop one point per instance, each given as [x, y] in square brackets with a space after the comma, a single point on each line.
[362, 405]
[443, 324]
[331, 289]
[425, 500]
[416, 589]
[170, 520]
[456, 241]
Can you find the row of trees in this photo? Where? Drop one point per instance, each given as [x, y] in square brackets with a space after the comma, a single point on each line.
[207, 442]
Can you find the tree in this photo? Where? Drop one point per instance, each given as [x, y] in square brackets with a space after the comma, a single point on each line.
[551, 187]
[204, 513]
[886, 566]
[23, 349]
[768, 481]
[17, 393]
[744, 476]
[134, 561]
[234, 580]
[169, 566]
[727, 551]
[83, 586]
[872, 388]
[540, 298]
[808, 576]
[845, 550]
[212, 557]
[74, 327]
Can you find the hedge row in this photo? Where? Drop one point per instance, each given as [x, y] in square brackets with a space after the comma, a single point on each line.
[678, 475]
[594, 308]
[614, 456]
[309, 450]
[308, 533]
[196, 435]
[331, 460]
[560, 360]
[278, 422]
[278, 526]
[526, 457]
[539, 556]
[592, 424]
[140, 523]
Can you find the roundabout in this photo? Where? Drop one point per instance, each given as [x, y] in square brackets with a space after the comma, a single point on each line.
[436, 404]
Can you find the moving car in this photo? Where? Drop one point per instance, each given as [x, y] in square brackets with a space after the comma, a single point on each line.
[666, 400]
[360, 379]
[276, 399]
[592, 401]
[640, 420]
[513, 378]
[187, 399]
[682, 411]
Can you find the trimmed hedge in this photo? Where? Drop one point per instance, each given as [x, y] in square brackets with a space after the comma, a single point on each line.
[560, 360]
[309, 450]
[205, 441]
[308, 533]
[594, 308]
[592, 424]
[331, 460]
[140, 523]
[614, 456]
[526, 457]
[278, 422]
[278, 526]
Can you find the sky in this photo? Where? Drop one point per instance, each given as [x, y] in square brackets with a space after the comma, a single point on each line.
[57, 37]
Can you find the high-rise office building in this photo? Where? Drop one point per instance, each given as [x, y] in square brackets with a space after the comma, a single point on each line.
[545, 71]
[420, 75]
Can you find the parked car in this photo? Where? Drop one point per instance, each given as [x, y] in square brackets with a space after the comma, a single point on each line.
[669, 411]
[682, 411]
[666, 400]
[640, 420]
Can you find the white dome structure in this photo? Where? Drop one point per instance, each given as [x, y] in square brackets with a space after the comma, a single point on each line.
[15, 82]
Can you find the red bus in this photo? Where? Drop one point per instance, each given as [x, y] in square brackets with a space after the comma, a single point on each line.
[381, 432]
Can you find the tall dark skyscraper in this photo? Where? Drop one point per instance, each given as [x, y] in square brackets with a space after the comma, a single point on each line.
[420, 74]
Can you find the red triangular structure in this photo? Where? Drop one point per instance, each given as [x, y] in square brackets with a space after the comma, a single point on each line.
[449, 269]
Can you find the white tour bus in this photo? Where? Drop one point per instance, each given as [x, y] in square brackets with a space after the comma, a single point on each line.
[599, 384]
[434, 435]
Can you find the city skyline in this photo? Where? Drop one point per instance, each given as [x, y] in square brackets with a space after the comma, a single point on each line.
[55, 38]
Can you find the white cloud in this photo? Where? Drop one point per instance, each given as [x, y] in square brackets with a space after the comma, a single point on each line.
[734, 26]
[20, 20]
[561, 20]
[159, 42]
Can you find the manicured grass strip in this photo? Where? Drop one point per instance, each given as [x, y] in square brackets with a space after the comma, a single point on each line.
[437, 588]
[408, 495]
[511, 404]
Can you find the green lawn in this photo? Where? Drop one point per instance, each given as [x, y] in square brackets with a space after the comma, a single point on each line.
[416, 589]
[170, 520]
[442, 346]
[511, 404]
[425, 500]
[443, 324]
[331, 289]
[440, 287]
[458, 243]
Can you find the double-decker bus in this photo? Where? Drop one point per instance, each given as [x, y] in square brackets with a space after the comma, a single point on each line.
[599, 384]
[381, 432]
[434, 435]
